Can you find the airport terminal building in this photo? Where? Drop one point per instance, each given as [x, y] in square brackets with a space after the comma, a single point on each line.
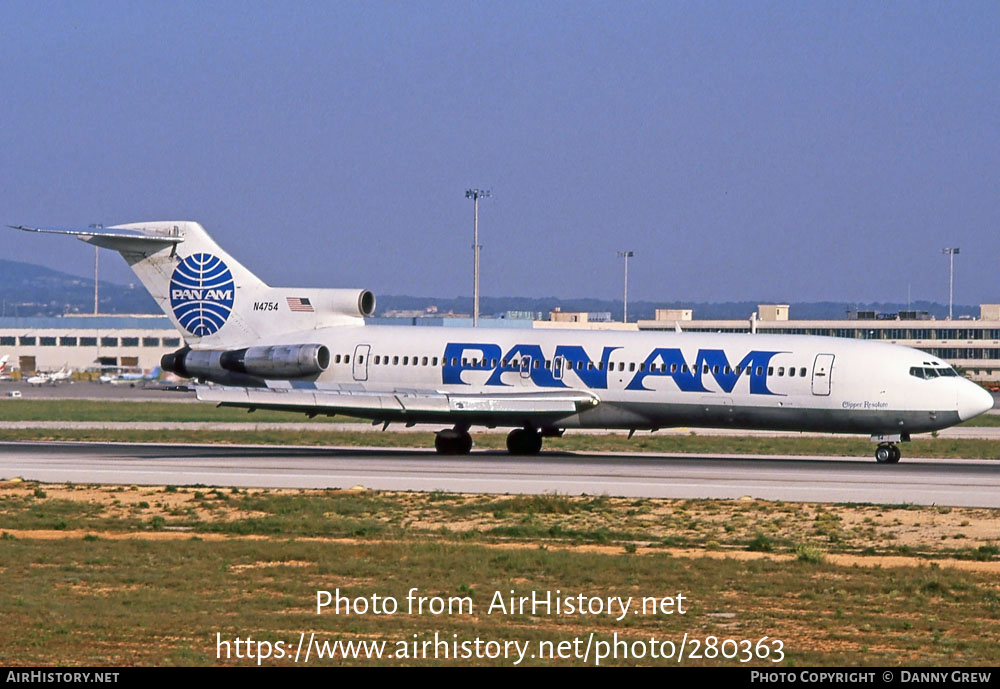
[972, 345]
[87, 343]
[136, 342]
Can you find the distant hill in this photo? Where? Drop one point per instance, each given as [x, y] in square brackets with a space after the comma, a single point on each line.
[31, 290]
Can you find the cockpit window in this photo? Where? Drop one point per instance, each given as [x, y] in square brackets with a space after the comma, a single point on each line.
[928, 372]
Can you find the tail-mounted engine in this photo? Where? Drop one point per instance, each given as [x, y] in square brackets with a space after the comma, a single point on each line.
[274, 362]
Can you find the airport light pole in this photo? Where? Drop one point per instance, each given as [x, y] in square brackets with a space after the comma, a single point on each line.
[475, 195]
[951, 251]
[96, 250]
[626, 255]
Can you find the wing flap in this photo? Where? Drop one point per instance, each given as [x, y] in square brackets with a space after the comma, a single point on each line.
[404, 404]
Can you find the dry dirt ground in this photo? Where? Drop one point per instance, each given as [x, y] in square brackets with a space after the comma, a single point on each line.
[714, 529]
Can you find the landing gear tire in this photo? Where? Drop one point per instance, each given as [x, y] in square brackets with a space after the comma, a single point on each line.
[453, 443]
[524, 441]
[887, 454]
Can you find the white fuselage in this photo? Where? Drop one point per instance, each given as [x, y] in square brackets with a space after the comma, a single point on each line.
[659, 379]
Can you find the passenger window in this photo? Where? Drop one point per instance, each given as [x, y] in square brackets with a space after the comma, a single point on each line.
[435, 361]
[802, 371]
[416, 360]
[361, 359]
[705, 370]
[673, 368]
[726, 371]
[781, 370]
[590, 365]
[760, 369]
[347, 358]
[406, 361]
[770, 370]
[631, 366]
[424, 361]
[621, 365]
[684, 368]
[791, 371]
[715, 369]
[395, 361]
[336, 359]
[537, 363]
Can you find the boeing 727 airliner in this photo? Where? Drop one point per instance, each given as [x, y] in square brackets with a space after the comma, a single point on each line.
[309, 351]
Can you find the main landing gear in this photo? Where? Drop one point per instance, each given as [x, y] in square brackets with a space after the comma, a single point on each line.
[887, 453]
[453, 441]
[524, 441]
[520, 441]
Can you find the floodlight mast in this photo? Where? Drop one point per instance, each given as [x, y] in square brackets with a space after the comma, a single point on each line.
[951, 251]
[96, 226]
[626, 255]
[475, 195]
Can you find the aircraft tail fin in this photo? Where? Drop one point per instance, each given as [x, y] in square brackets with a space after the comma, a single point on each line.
[211, 298]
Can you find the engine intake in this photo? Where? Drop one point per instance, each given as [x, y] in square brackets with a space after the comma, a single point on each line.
[276, 361]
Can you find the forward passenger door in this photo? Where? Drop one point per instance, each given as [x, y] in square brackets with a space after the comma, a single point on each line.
[822, 374]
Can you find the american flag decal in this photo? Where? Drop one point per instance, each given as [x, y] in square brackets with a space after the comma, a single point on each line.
[299, 304]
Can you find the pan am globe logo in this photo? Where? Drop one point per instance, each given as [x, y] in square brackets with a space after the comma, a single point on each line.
[201, 293]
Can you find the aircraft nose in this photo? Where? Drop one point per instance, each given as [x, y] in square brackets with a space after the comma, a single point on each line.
[972, 400]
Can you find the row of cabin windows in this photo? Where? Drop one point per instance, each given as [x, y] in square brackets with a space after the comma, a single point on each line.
[31, 341]
[379, 360]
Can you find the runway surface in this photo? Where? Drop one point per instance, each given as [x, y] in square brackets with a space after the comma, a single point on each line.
[970, 483]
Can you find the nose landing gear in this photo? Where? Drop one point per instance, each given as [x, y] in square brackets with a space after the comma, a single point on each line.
[887, 453]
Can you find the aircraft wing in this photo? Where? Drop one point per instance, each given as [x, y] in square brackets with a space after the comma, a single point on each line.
[417, 406]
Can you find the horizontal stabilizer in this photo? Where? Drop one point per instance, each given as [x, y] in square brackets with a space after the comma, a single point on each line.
[128, 241]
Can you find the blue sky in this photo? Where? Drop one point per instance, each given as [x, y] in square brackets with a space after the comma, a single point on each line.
[795, 151]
